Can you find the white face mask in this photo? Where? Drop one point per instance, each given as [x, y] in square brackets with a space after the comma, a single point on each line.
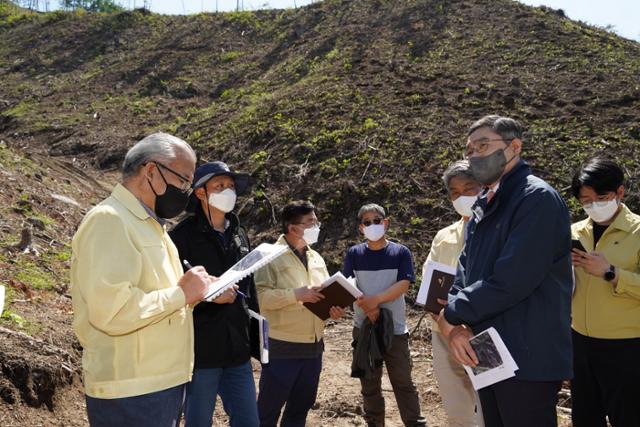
[224, 200]
[603, 212]
[310, 235]
[463, 204]
[374, 232]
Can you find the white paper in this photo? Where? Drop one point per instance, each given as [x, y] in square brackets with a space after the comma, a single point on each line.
[1, 299]
[427, 273]
[348, 283]
[496, 362]
[263, 254]
[263, 326]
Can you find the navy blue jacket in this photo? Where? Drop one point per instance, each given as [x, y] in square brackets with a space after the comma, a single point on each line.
[515, 275]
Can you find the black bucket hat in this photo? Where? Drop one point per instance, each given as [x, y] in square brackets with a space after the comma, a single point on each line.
[207, 171]
[211, 169]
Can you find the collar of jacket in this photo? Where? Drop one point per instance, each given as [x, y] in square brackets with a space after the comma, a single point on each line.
[205, 227]
[131, 202]
[625, 221]
[283, 241]
[513, 177]
[508, 183]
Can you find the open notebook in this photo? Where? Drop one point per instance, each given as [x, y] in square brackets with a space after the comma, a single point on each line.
[263, 254]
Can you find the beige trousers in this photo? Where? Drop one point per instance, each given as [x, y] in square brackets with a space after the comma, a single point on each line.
[461, 402]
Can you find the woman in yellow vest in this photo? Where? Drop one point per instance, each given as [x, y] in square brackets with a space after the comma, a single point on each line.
[606, 301]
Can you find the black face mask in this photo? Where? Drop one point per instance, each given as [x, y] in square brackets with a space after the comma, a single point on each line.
[488, 169]
[171, 202]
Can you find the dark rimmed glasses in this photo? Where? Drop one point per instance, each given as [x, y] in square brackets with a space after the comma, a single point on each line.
[185, 185]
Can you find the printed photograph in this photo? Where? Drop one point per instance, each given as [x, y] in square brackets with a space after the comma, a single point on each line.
[487, 352]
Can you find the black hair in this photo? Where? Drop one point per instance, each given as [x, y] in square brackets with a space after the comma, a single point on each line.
[508, 128]
[293, 211]
[600, 173]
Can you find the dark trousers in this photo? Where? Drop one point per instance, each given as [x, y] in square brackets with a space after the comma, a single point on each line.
[398, 363]
[293, 382]
[516, 403]
[158, 409]
[606, 380]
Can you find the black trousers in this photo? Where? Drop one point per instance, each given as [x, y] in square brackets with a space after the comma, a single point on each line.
[293, 382]
[606, 381]
[516, 403]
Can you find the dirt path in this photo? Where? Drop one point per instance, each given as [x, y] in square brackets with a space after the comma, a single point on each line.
[339, 401]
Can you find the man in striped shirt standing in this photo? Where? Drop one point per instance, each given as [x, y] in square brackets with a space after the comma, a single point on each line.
[383, 272]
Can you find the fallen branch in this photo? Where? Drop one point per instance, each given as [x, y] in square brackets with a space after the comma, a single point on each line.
[415, 181]
[26, 242]
[273, 210]
[375, 151]
[418, 325]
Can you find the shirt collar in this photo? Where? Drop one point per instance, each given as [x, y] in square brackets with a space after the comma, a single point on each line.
[152, 214]
[624, 220]
[488, 189]
[293, 249]
[227, 223]
[134, 204]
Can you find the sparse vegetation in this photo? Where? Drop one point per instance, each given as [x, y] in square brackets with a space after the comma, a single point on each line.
[339, 102]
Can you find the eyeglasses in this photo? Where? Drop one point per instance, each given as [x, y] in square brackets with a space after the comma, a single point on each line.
[601, 203]
[376, 221]
[185, 185]
[481, 146]
[309, 224]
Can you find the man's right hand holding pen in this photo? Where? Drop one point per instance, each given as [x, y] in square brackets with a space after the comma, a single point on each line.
[195, 284]
[199, 275]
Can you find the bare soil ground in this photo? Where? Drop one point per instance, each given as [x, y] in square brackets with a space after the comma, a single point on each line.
[62, 401]
[339, 402]
[342, 102]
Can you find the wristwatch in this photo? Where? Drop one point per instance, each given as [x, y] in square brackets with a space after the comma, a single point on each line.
[610, 274]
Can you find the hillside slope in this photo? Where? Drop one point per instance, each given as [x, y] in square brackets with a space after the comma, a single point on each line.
[342, 102]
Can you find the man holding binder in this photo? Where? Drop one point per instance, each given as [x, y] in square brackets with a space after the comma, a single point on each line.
[295, 333]
[515, 276]
[383, 272]
[460, 400]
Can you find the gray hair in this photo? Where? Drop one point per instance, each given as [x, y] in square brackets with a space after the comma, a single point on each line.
[159, 147]
[461, 169]
[371, 207]
[508, 128]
